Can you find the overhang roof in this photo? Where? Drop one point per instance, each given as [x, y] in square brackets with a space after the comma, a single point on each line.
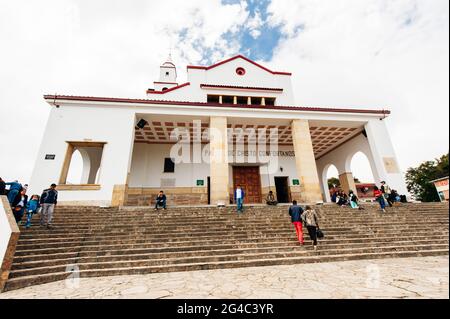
[53, 99]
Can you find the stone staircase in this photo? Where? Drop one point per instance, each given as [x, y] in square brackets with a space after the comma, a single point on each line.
[109, 241]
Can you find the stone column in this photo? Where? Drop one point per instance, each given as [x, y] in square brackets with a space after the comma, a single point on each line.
[347, 182]
[219, 161]
[305, 162]
[384, 161]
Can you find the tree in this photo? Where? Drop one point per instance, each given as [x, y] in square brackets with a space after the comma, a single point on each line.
[333, 181]
[418, 178]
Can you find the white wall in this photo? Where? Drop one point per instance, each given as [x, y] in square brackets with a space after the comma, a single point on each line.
[115, 126]
[381, 147]
[225, 74]
[147, 168]
[376, 146]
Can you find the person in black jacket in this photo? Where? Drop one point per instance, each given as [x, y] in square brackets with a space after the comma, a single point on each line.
[19, 204]
[2, 187]
[49, 199]
[296, 212]
[161, 200]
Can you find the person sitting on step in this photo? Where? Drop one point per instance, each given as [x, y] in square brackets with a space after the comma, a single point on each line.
[161, 200]
[270, 199]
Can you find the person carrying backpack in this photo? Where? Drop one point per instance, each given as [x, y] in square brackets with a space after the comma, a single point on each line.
[311, 221]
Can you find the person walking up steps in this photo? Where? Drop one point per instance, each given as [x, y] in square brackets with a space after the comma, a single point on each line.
[49, 199]
[296, 212]
[380, 198]
[312, 224]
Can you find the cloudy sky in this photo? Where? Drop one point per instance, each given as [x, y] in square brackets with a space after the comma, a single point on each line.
[348, 53]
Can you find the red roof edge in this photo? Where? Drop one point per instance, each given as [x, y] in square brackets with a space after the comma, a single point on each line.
[55, 98]
[150, 91]
[234, 58]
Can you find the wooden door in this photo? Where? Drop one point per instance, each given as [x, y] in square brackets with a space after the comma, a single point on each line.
[250, 180]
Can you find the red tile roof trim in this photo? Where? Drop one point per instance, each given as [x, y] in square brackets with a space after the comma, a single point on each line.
[169, 90]
[54, 98]
[240, 87]
[234, 58]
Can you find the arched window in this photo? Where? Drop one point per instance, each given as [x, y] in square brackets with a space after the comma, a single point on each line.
[76, 168]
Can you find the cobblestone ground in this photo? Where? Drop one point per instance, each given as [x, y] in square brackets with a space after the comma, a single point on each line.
[390, 278]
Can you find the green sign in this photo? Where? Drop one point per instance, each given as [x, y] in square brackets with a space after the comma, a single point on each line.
[295, 182]
[200, 182]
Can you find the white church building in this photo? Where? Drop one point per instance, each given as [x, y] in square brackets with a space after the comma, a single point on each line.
[234, 122]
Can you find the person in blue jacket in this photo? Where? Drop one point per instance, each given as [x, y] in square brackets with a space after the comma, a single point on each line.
[14, 189]
[33, 206]
[19, 205]
[239, 196]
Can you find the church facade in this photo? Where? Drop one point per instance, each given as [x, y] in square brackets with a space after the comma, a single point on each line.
[233, 123]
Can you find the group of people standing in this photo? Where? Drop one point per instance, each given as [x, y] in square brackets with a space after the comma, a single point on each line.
[21, 205]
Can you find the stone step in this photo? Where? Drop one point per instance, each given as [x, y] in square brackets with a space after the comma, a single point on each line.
[60, 233]
[217, 245]
[96, 246]
[168, 253]
[218, 258]
[161, 224]
[86, 240]
[26, 281]
[43, 238]
[110, 241]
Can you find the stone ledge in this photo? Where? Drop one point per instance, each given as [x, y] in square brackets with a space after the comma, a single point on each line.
[83, 187]
[12, 243]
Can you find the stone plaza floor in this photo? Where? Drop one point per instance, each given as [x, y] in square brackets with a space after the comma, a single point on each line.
[426, 277]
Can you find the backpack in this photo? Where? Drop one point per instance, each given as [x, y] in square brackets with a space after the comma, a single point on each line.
[309, 218]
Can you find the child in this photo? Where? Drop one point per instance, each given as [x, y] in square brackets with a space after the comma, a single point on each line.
[32, 208]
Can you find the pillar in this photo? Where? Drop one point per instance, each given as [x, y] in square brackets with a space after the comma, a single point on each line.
[347, 182]
[384, 160]
[305, 162]
[219, 161]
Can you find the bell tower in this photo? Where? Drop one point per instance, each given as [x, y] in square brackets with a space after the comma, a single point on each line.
[168, 71]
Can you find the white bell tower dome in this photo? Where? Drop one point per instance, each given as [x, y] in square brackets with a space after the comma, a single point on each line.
[167, 76]
[168, 71]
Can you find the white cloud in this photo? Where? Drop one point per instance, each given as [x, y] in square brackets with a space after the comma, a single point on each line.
[101, 48]
[254, 25]
[376, 54]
